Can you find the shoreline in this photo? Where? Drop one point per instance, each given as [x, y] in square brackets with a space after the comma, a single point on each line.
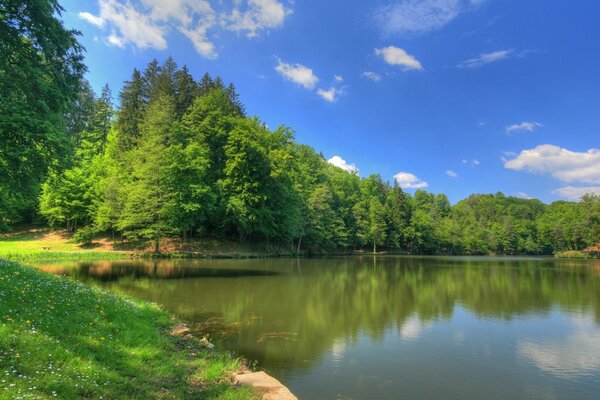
[66, 339]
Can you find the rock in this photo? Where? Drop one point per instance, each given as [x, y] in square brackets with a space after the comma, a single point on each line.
[270, 388]
[205, 343]
[179, 330]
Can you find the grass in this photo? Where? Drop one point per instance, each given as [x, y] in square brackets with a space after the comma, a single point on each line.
[63, 339]
[575, 254]
[43, 244]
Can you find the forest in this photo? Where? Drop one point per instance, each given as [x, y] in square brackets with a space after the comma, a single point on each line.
[176, 156]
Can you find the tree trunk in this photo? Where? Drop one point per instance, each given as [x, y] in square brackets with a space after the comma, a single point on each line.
[299, 243]
[156, 246]
[374, 247]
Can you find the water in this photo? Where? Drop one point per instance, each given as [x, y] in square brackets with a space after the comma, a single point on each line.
[390, 327]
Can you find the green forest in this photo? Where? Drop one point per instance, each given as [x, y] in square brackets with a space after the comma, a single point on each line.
[176, 156]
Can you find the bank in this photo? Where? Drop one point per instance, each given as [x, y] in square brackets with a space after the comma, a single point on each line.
[64, 339]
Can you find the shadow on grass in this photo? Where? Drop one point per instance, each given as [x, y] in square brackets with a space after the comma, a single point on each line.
[65, 339]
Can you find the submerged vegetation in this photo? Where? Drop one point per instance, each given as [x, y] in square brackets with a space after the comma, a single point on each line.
[63, 339]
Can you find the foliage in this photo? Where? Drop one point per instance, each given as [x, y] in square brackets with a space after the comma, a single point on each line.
[180, 158]
[84, 235]
[40, 73]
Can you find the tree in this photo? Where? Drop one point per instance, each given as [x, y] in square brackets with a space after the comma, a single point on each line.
[41, 68]
[79, 118]
[377, 226]
[186, 90]
[149, 205]
[131, 113]
[246, 172]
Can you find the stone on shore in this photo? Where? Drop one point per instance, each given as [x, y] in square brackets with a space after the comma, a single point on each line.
[269, 387]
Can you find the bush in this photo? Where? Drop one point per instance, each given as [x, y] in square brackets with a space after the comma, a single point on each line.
[84, 235]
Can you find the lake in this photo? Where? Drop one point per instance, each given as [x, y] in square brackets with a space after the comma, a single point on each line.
[388, 327]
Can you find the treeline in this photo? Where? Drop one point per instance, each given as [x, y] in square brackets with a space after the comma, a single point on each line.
[180, 157]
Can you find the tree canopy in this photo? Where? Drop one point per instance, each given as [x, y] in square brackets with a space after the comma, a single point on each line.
[41, 67]
[180, 157]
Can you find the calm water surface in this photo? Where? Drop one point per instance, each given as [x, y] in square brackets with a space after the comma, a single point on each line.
[388, 327]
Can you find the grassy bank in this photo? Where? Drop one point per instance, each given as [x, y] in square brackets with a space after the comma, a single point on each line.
[45, 244]
[577, 255]
[63, 339]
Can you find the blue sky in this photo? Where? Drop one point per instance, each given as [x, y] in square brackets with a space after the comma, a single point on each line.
[454, 96]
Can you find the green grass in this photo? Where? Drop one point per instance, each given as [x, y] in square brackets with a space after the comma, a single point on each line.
[31, 256]
[63, 339]
[575, 254]
[43, 244]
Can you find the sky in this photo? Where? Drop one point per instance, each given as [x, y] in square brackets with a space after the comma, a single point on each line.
[450, 96]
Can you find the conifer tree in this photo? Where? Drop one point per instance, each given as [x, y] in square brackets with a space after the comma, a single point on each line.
[131, 111]
[149, 205]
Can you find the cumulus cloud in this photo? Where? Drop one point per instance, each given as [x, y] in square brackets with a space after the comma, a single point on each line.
[418, 16]
[198, 38]
[406, 180]
[330, 95]
[343, 164]
[523, 195]
[374, 76]
[259, 15]
[128, 25]
[475, 162]
[397, 56]
[575, 193]
[338, 78]
[298, 74]
[524, 126]
[486, 58]
[451, 174]
[92, 19]
[562, 164]
[146, 23]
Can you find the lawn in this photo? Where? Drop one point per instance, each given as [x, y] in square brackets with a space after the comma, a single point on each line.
[63, 339]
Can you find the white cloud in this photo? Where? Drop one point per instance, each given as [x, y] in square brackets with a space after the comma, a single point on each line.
[573, 193]
[115, 40]
[486, 58]
[413, 328]
[524, 126]
[182, 11]
[341, 163]
[330, 95]
[476, 162]
[523, 195]
[259, 15]
[465, 161]
[145, 24]
[198, 38]
[562, 164]
[338, 78]
[507, 155]
[406, 180]
[417, 16]
[575, 355]
[397, 56]
[451, 174]
[92, 19]
[374, 76]
[297, 73]
[128, 25]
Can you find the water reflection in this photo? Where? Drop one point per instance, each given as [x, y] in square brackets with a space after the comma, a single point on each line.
[575, 354]
[311, 321]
